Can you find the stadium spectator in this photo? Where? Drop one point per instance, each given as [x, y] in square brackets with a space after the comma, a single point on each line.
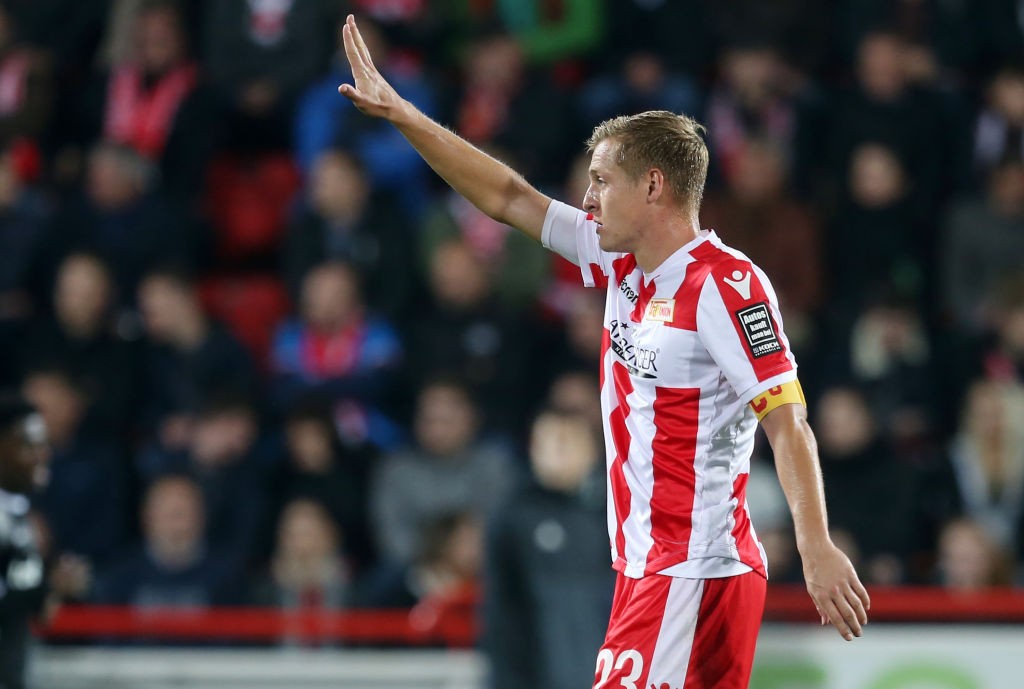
[576, 392]
[83, 337]
[152, 100]
[642, 83]
[546, 31]
[85, 502]
[261, 56]
[189, 357]
[999, 128]
[125, 217]
[969, 560]
[24, 219]
[324, 122]
[983, 245]
[26, 100]
[757, 215]
[344, 219]
[518, 267]
[464, 328]
[443, 579]
[334, 471]
[579, 343]
[225, 457]
[1002, 358]
[949, 38]
[799, 30]
[172, 567]
[870, 493]
[876, 245]
[985, 474]
[503, 103]
[884, 107]
[336, 348]
[642, 25]
[886, 350]
[449, 468]
[754, 99]
[548, 589]
[307, 572]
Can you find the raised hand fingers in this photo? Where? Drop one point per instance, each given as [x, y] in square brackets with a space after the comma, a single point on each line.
[355, 60]
[360, 44]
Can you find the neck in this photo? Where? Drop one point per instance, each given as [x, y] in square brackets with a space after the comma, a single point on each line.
[675, 232]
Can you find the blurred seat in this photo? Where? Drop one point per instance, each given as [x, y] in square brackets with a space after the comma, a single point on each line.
[248, 203]
[251, 306]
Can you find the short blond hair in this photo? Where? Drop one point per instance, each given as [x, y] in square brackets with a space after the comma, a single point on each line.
[660, 139]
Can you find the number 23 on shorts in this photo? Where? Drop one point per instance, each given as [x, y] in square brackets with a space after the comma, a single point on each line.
[606, 662]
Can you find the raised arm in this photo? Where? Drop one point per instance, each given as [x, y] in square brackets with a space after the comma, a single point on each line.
[831, 580]
[490, 185]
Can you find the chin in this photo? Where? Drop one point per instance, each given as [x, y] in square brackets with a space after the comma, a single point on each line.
[608, 244]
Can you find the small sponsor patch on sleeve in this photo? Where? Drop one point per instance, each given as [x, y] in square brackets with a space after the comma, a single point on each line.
[756, 323]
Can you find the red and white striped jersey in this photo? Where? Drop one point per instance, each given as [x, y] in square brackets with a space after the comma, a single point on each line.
[686, 349]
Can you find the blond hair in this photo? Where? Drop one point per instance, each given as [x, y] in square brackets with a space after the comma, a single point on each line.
[660, 139]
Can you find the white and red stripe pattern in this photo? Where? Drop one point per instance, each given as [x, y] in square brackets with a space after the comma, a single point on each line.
[686, 348]
[676, 633]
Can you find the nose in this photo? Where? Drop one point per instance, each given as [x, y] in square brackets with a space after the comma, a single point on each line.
[590, 200]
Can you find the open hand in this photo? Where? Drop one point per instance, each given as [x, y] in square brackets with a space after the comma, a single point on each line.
[371, 93]
[838, 595]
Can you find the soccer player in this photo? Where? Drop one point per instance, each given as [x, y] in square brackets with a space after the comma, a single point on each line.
[23, 469]
[694, 358]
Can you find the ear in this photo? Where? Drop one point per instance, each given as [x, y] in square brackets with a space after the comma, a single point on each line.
[655, 184]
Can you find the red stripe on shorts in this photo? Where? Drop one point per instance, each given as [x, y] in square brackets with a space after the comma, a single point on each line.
[726, 635]
[634, 628]
[676, 411]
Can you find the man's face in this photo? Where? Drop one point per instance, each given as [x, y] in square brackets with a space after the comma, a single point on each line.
[615, 199]
[24, 456]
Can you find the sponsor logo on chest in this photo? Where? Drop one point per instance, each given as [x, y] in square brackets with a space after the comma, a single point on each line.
[640, 361]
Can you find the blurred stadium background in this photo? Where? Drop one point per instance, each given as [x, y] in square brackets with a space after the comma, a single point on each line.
[289, 377]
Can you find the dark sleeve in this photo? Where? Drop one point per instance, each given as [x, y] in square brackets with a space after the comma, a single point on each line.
[190, 145]
[507, 620]
[304, 54]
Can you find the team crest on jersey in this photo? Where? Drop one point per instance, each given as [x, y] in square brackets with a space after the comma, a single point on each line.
[661, 310]
[756, 323]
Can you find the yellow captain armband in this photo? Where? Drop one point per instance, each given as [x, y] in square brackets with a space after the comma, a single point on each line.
[787, 393]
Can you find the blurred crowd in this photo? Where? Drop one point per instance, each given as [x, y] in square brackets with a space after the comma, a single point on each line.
[281, 363]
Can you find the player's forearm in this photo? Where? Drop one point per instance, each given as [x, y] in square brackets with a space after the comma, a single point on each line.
[487, 183]
[796, 461]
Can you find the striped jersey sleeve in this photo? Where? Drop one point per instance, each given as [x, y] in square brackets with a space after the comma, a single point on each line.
[738, 321]
[572, 234]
